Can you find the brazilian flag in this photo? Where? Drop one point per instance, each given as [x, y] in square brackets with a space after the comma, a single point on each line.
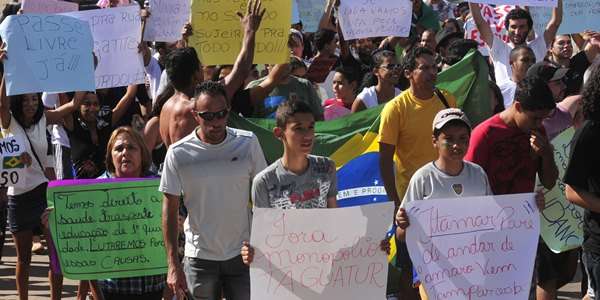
[351, 141]
[12, 162]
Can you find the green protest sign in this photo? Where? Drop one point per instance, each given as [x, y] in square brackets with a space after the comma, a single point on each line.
[108, 229]
[561, 222]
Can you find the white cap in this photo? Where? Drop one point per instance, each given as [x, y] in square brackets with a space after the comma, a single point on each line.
[447, 115]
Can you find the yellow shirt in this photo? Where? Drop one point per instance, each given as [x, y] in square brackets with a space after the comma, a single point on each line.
[406, 122]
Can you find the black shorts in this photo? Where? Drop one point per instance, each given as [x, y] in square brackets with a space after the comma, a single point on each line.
[25, 210]
[555, 266]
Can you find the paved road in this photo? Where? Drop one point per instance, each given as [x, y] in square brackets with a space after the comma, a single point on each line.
[40, 290]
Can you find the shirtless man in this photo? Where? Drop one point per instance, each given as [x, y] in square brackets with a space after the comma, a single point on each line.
[185, 72]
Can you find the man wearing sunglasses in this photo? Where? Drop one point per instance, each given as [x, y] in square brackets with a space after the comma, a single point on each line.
[212, 170]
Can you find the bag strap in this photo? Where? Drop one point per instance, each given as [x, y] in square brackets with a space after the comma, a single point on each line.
[30, 145]
[441, 96]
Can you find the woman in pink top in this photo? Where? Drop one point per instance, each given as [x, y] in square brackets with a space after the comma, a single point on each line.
[345, 83]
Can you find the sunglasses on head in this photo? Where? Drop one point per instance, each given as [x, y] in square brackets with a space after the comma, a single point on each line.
[209, 115]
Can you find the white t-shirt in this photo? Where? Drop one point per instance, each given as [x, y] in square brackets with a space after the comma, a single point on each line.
[429, 182]
[34, 175]
[153, 73]
[369, 96]
[500, 53]
[215, 181]
[58, 133]
[508, 89]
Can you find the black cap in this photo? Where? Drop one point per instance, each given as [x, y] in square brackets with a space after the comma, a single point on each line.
[547, 71]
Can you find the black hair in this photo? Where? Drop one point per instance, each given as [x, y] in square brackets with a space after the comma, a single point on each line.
[534, 94]
[296, 63]
[410, 59]
[452, 123]
[10, 9]
[517, 49]
[161, 99]
[455, 23]
[217, 73]
[288, 109]
[591, 95]
[181, 65]
[516, 14]
[378, 57]
[457, 50]
[210, 88]
[499, 97]
[16, 109]
[349, 74]
[323, 37]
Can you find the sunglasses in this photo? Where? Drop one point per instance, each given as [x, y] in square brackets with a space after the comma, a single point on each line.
[209, 116]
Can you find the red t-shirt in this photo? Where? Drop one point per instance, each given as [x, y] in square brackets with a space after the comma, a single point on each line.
[505, 155]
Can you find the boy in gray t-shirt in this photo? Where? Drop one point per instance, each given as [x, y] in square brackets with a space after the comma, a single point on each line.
[298, 179]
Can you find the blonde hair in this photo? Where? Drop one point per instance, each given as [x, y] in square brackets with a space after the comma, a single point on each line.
[136, 139]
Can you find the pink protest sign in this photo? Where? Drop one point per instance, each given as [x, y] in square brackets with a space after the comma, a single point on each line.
[320, 253]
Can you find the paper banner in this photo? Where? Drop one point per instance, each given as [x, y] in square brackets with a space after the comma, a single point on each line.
[48, 6]
[310, 13]
[561, 222]
[11, 173]
[47, 53]
[108, 230]
[474, 247]
[218, 34]
[320, 253]
[531, 3]
[578, 16]
[373, 18]
[117, 33]
[495, 18]
[166, 21]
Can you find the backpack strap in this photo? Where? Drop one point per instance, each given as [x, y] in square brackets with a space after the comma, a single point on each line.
[441, 96]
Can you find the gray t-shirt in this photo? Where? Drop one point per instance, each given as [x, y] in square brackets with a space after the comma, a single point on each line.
[429, 182]
[276, 187]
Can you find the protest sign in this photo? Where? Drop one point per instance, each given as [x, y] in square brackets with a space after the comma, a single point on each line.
[495, 18]
[474, 247]
[108, 229]
[373, 18]
[48, 6]
[578, 16]
[310, 13]
[218, 34]
[47, 53]
[11, 173]
[166, 21]
[320, 253]
[561, 222]
[530, 3]
[116, 33]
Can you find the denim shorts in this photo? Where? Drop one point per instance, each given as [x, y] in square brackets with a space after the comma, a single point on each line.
[25, 210]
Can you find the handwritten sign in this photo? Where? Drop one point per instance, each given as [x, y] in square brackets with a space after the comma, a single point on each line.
[578, 16]
[320, 253]
[47, 53]
[561, 221]
[474, 247]
[495, 18]
[116, 33]
[48, 6]
[218, 35]
[310, 13]
[547, 3]
[373, 18]
[108, 229]
[166, 20]
[11, 173]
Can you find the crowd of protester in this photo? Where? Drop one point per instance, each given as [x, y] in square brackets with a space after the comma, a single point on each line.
[175, 126]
